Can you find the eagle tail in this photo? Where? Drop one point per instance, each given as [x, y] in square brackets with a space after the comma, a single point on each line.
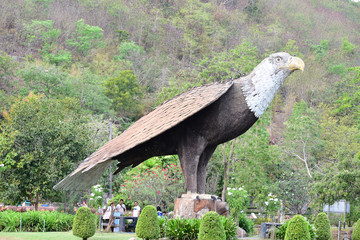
[83, 177]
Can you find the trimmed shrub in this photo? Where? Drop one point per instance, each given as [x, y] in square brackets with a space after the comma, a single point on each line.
[84, 223]
[281, 231]
[147, 226]
[297, 229]
[356, 231]
[323, 228]
[211, 227]
[229, 227]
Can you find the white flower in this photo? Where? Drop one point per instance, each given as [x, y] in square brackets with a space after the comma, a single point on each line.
[240, 188]
[92, 194]
[229, 193]
[234, 189]
[269, 195]
[98, 197]
[91, 199]
[271, 199]
[2, 165]
[266, 203]
[275, 199]
[228, 188]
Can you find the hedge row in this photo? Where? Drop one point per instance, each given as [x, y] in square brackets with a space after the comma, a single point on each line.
[35, 221]
[180, 228]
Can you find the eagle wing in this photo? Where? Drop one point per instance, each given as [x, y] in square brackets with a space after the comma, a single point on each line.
[161, 119]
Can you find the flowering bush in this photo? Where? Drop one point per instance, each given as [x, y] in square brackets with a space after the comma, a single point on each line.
[238, 200]
[272, 204]
[155, 186]
[96, 196]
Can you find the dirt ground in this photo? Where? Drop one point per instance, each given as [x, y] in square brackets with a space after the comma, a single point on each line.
[345, 234]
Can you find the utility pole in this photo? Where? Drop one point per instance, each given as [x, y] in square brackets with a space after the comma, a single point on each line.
[344, 214]
[111, 174]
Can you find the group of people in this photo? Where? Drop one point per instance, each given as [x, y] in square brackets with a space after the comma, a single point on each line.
[120, 209]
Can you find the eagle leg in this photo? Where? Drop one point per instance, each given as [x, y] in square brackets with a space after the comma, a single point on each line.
[190, 148]
[201, 171]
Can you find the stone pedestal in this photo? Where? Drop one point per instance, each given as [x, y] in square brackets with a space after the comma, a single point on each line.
[192, 205]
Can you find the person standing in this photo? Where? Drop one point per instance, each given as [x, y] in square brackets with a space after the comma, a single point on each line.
[137, 209]
[120, 211]
[121, 208]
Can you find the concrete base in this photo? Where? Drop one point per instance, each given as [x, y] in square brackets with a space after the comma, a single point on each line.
[193, 205]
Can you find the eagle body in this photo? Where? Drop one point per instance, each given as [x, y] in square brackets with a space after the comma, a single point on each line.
[191, 125]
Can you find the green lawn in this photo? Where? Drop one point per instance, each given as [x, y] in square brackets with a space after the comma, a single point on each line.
[61, 236]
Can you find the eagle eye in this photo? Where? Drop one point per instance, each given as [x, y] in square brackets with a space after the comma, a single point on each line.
[278, 59]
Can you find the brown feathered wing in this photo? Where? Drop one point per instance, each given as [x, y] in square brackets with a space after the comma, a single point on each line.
[162, 118]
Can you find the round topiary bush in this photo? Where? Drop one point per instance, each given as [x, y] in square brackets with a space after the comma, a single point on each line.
[147, 226]
[323, 228]
[297, 229]
[356, 231]
[84, 225]
[211, 227]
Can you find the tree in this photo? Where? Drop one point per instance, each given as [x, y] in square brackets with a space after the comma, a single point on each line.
[42, 36]
[85, 37]
[253, 10]
[256, 162]
[47, 81]
[339, 168]
[293, 189]
[7, 69]
[89, 88]
[348, 102]
[156, 186]
[238, 200]
[125, 93]
[302, 135]
[46, 138]
[347, 46]
[229, 64]
[226, 164]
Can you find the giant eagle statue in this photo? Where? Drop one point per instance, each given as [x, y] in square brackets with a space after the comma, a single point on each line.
[191, 125]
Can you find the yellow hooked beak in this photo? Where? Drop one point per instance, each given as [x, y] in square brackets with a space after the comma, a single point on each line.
[295, 64]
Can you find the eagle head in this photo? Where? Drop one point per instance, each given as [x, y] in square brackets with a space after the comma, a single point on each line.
[261, 85]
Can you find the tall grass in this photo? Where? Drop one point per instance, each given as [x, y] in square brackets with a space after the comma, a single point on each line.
[35, 221]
